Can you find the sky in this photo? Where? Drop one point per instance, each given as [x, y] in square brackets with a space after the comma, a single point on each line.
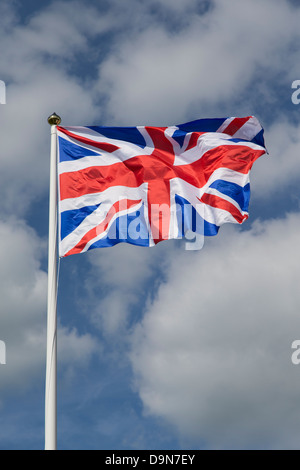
[158, 348]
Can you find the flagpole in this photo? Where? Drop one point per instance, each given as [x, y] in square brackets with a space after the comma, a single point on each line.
[51, 358]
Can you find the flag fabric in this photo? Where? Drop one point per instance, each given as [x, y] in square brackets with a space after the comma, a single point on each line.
[142, 185]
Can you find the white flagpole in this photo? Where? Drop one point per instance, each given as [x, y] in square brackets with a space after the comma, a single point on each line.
[51, 359]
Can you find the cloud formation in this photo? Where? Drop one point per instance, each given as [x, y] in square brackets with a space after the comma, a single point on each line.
[212, 354]
[224, 55]
[38, 80]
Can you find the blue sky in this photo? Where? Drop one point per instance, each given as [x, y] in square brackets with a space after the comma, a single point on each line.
[158, 348]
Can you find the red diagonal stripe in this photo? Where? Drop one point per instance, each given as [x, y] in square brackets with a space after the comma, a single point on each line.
[234, 157]
[84, 140]
[235, 125]
[96, 179]
[219, 203]
[116, 207]
[193, 140]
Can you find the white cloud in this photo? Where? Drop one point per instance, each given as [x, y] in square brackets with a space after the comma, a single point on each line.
[23, 293]
[151, 72]
[35, 63]
[158, 75]
[213, 353]
[281, 168]
[53, 36]
[38, 83]
[23, 302]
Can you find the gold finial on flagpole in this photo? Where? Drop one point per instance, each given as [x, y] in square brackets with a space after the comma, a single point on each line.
[54, 120]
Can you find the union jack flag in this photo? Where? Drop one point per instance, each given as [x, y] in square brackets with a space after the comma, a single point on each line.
[142, 185]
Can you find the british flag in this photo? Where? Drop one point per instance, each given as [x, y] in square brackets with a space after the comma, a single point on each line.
[142, 185]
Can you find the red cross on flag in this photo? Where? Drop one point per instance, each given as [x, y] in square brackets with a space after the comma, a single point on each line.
[142, 185]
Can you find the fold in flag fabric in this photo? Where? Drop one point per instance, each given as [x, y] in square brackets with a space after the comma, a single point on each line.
[142, 185]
